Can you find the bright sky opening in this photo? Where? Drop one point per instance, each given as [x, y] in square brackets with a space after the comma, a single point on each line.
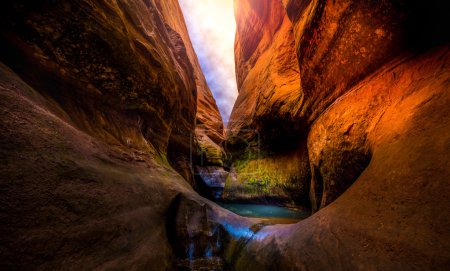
[212, 27]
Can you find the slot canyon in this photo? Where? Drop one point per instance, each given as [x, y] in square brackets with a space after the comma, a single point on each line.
[114, 154]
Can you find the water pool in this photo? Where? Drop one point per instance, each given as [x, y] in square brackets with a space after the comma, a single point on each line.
[272, 212]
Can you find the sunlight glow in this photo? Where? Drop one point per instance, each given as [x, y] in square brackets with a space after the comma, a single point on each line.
[212, 27]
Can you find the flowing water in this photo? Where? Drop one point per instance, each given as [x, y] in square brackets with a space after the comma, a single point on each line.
[208, 255]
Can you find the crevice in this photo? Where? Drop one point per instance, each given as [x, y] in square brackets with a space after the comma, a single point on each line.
[316, 188]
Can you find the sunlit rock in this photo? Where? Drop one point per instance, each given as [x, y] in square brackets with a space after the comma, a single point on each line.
[107, 127]
[270, 162]
[374, 80]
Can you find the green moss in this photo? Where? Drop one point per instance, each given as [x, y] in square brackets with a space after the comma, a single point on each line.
[267, 177]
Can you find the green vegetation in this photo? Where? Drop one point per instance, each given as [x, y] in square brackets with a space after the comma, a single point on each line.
[266, 178]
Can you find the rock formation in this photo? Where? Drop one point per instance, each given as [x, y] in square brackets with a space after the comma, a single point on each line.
[337, 45]
[207, 154]
[99, 104]
[373, 114]
[107, 124]
[264, 131]
[209, 132]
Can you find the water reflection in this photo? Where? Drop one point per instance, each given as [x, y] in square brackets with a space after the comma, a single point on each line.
[266, 211]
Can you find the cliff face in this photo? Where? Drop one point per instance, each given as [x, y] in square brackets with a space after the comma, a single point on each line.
[337, 46]
[83, 52]
[394, 216]
[100, 101]
[209, 132]
[374, 79]
[340, 43]
[289, 73]
[263, 132]
[94, 59]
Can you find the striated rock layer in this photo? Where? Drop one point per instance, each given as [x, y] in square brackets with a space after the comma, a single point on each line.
[337, 44]
[371, 115]
[262, 135]
[102, 102]
[207, 154]
[99, 101]
[340, 44]
[395, 216]
[209, 132]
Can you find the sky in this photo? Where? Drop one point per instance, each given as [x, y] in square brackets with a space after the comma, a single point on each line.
[212, 27]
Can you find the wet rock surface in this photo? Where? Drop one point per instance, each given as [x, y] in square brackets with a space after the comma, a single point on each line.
[75, 202]
[337, 46]
[211, 181]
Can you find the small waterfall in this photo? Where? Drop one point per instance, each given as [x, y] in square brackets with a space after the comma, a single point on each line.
[197, 241]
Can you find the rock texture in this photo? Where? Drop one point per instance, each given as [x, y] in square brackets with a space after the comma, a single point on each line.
[102, 102]
[337, 44]
[70, 200]
[85, 50]
[94, 59]
[340, 43]
[208, 155]
[371, 113]
[99, 105]
[394, 217]
[263, 131]
[209, 131]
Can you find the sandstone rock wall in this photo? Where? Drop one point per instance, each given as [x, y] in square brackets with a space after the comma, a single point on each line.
[209, 132]
[133, 57]
[106, 63]
[373, 113]
[394, 217]
[339, 43]
[270, 161]
[336, 45]
[99, 103]
[267, 75]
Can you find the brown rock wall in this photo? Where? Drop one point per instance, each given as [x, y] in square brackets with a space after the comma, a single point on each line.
[97, 109]
[394, 216]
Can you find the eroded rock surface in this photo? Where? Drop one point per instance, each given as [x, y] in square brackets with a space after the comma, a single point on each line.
[209, 131]
[269, 160]
[102, 102]
[373, 117]
[394, 216]
[99, 105]
[337, 45]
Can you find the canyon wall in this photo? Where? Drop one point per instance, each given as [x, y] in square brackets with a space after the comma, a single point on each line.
[344, 103]
[207, 155]
[372, 110]
[209, 130]
[293, 60]
[102, 103]
[270, 163]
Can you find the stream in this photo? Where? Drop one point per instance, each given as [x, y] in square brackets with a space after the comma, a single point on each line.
[208, 246]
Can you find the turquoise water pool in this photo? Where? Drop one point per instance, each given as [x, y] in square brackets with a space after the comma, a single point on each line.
[264, 211]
